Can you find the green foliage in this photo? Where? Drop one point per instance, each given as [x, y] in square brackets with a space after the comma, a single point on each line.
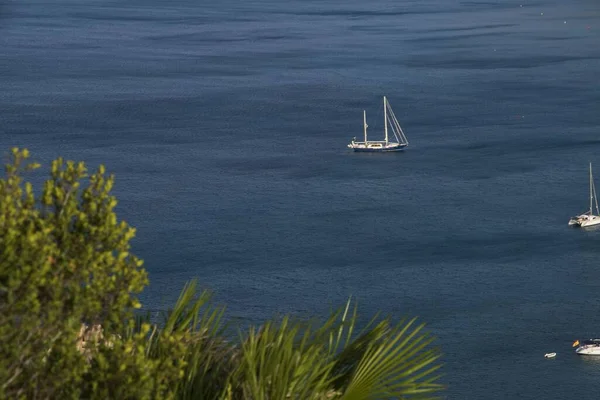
[121, 368]
[209, 358]
[301, 360]
[65, 261]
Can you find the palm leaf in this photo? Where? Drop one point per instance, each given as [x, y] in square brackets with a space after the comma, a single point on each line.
[282, 360]
[398, 365]
[290, 359]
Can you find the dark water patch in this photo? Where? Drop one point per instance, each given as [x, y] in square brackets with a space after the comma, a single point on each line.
[220, 37]
[274, 37]
[309, 172]
[61, 46]
[369, 29]
[558, 38]
[472, 63]
[551, 145]
[470, 28]
[487, 5]
[79, 46]
[350, 212]
[256, 58]
[352, 13]
[585, 15]
[502, 246]
[501, 171]
[525, 145]
[98, 65]
[135, 16]
[480, 146]
[466, 168]
[256, 165]
[199, 37]
[452, 38]
[6, 13]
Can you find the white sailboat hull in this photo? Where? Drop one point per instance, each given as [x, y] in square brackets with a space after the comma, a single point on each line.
[584, 220]
[588, 350]
[376, 147]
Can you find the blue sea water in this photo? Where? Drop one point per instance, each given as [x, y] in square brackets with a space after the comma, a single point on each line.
[226, 124]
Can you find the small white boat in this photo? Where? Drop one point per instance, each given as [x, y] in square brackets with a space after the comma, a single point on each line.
[550, 355]
[588, 218]
[590, 347]
[386, 145]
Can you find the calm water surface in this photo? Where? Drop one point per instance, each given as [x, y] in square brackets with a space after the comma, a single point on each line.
[226, 124]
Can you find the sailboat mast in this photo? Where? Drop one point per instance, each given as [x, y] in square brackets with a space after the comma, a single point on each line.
[596, 200]
[385, 119]
[365, 124]
[593, 193]
[591, 189]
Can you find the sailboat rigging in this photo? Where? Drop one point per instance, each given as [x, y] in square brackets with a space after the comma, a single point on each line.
[386, 145]
[588, 218]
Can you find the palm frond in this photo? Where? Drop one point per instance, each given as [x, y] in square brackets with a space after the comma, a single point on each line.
[290, 359]
[398, 365]
[208, 357]
[282, 360]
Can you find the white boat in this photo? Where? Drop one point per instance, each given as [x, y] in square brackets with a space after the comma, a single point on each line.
[386, 145]
[550, 355]
[588, 218]
[590, 347]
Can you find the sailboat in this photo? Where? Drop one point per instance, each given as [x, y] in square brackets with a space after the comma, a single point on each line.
[588, 218]
[386, 145]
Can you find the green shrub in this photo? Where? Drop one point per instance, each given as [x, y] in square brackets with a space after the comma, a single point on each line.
[68, 287]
